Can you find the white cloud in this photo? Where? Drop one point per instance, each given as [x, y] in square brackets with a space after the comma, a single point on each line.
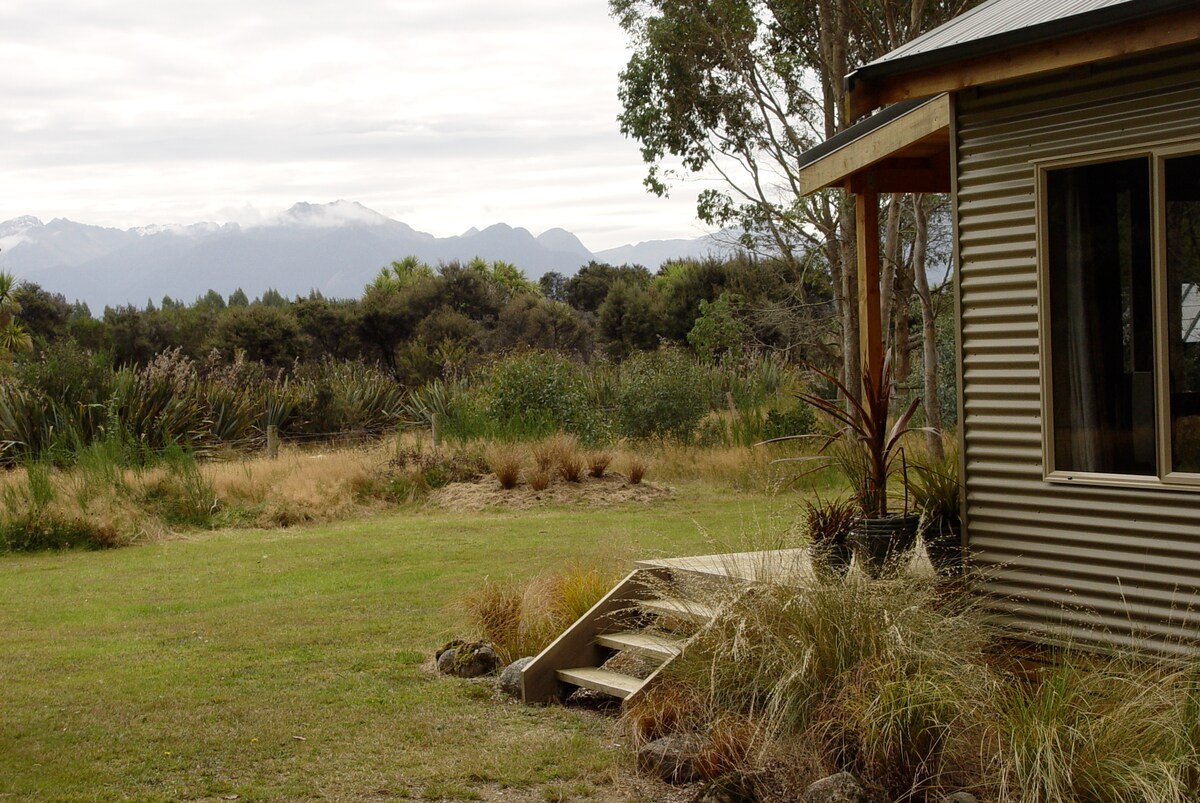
[441, 113]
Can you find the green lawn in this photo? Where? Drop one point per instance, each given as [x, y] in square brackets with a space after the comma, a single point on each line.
[287, 664]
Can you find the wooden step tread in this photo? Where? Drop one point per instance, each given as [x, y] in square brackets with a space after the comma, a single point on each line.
[649, 645]
[680, 609]
[604, 680]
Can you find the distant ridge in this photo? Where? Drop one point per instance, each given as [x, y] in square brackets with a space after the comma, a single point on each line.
[334, 248]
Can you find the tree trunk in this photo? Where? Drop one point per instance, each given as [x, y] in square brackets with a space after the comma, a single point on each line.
[929, 363]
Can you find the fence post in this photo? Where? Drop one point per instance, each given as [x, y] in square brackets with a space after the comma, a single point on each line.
[272, 441]
[433, 430]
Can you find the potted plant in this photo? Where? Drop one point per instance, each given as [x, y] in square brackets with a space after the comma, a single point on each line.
[865, 447]
[829, 524]
[936, 496]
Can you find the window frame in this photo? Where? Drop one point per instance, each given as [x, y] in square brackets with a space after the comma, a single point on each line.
[1156, 156]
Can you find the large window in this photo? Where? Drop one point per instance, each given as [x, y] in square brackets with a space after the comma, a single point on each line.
[1121, 256]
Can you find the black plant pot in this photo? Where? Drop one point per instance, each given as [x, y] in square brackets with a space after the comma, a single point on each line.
[830, 561]
[877, 542]
[943, 544]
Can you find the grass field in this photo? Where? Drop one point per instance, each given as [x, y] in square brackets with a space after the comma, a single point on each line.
[288, 664]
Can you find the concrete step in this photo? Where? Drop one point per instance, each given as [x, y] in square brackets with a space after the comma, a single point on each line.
[653, 646]
[602, 680]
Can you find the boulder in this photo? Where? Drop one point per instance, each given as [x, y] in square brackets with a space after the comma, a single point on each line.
[732, 788]
[672, 758]
[840, 788]
[467, 659]
[510, 678]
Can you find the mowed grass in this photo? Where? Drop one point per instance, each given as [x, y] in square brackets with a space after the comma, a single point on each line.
[288, 664]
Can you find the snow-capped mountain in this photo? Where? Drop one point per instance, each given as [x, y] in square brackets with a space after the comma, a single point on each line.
[334, 248]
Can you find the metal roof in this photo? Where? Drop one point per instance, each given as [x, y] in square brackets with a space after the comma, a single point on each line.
[859, 130]
[998, 25]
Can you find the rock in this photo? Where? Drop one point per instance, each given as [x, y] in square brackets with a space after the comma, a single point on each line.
[672, 758]
[467, 659]
[840, 788]
[510, 678]
[732, 788]
[960, 797]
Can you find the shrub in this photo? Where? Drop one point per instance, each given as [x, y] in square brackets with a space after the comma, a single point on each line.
[662, 394]
[538, 393]
[799, 419]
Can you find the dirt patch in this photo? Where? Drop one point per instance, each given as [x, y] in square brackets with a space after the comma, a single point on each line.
[611, 489]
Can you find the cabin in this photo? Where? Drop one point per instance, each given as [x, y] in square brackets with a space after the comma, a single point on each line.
[1067, 133]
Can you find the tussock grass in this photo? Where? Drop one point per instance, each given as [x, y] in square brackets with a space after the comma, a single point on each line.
[505, 462]
[635, 469]
[571, 467]
[897, 681]
[598, 463]
[522, 618]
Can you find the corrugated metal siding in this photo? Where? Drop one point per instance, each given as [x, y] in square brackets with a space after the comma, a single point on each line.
[1058, 558]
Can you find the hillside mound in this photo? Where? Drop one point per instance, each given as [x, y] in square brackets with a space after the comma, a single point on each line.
[611, 489]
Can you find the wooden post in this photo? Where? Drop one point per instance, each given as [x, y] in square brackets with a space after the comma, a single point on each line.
[870, 317]
[433, 430]
[272, 441]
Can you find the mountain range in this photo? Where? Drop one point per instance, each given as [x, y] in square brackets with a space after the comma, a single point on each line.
[334, 248]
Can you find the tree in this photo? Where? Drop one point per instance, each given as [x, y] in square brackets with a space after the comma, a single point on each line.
[741, 88]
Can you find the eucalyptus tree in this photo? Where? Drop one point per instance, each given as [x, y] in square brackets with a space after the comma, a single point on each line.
[739, 89]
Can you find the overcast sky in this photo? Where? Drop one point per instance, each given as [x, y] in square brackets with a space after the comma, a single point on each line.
[444, 114]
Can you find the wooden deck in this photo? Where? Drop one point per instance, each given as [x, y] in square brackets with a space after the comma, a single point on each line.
[774, 564]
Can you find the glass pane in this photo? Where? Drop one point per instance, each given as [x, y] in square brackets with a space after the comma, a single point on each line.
[1183, 308]
[1101, 317]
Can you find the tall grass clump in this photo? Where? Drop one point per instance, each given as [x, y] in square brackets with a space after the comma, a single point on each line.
[521, 619]
[873, 675]
[505, 463]
[1105, 729]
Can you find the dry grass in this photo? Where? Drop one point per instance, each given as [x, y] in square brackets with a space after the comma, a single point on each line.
[571, 467]
[598, 463]
[548, 452]
[539, 479]
[893, 680]
[520, 619]
[505, 462]
[635, 469]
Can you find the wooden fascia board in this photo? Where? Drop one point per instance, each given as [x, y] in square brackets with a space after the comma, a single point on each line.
[930, 119]
[1169, 30]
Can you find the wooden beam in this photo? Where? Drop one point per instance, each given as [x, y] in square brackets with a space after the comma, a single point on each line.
[1178, 28]
[904, 175]
[870, 316]
[928, 124]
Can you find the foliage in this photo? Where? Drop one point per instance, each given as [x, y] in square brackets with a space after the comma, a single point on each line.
[717, 331]
[663, 394]
[829, 522]
[537, 393]
[866, 444]
[521, 619]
